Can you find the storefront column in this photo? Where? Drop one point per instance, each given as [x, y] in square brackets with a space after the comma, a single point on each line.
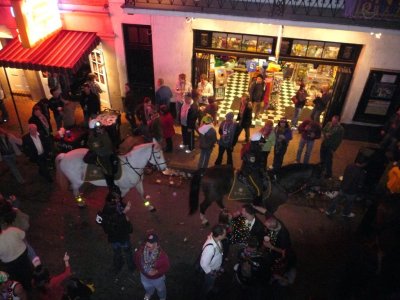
[35, 85]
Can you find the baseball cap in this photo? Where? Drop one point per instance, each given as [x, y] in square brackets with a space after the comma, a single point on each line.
[152, 238]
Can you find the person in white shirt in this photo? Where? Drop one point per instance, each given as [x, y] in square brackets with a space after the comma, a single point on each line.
[35, 147]
[205, 89]
[182, 88]
[212, 257]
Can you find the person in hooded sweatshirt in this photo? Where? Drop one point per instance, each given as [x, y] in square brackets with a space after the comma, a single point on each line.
[208, 138]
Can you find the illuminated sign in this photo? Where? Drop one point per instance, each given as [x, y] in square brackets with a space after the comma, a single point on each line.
[36, 19]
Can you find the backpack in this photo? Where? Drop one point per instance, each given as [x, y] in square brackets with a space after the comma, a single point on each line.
[197, 267]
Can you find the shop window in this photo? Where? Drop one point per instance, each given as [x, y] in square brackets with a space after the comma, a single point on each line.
[234, 41]
[299, 48]
[249, 43]
[331, 50]
[315, 49]
[265, 45]
[285, 47]
[219, 40]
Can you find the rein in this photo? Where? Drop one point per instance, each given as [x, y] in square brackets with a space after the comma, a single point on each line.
[135, 169]
[276, 182]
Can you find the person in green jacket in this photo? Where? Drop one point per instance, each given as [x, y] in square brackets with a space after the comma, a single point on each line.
[332, 138]
[268, 142]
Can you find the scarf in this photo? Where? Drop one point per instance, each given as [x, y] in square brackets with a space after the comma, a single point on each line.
[149, 258]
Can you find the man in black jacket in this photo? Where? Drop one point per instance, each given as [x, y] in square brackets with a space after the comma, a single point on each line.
[188, 117]
[90, 103]
[37, 149]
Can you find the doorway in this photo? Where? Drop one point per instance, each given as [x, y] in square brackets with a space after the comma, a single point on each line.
[139, 60]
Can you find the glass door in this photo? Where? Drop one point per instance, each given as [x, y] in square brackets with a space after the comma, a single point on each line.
[96, 59]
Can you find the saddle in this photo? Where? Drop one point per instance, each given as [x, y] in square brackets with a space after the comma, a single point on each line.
[94, 172]
[241, 189]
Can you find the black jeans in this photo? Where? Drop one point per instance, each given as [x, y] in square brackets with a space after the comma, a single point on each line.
[221, 150]
[169, 146]
[326, 156]
[121, 249]
[188, 137]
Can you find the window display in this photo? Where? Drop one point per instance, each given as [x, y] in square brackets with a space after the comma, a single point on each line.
[249, 43]
[219, 40]
[265, 45]
[331, 50]
[234, 41]
[299, 48]
[315, 49]
[285, 47]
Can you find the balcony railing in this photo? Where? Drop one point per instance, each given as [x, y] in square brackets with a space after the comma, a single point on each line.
[368, 13]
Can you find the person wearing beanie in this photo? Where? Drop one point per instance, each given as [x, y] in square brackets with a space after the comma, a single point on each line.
[208, 138]
[153, 264]
[227, 132]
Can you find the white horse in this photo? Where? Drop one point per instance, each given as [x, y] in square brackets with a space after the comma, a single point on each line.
[72, 166]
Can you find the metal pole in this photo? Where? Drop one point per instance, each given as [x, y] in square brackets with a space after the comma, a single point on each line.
[13, 100]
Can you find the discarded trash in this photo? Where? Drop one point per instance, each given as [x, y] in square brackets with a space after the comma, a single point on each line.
[174, 194]
[171, 182]
[158, 181]
[147, 197]
[185, 240]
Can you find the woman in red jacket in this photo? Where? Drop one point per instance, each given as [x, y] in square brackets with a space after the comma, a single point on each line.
[167, 124]
[152, 263]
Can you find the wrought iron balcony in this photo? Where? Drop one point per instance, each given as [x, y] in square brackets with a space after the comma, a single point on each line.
[366, 13]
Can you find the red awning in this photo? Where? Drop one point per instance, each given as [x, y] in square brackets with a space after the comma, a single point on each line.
[64, 51]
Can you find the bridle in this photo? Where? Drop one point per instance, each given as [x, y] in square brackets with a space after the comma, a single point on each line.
[152, 155]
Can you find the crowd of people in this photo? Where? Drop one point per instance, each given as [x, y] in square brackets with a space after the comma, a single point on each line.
[265, 261]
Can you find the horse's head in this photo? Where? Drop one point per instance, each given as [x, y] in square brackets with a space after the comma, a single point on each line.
[157, 157]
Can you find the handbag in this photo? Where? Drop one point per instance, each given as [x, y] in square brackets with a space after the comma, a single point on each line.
[294, 99]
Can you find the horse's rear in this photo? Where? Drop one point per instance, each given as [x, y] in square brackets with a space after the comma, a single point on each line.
[71, 165]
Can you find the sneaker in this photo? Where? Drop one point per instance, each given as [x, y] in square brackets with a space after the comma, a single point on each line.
[330, 213]
[181, 146]
[188, 151]
[350, 215]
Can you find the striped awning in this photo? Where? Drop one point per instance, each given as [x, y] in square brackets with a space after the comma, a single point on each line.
[62, 52]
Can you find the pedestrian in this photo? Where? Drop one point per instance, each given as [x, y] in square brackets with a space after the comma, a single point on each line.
[56, 105]
[283, 135]
[69, 108]
[153, 264]
[3, 108]
[309, 131]
[351, 185]
[90, 103]
[11, 289]
[268, 142]
[227, 132]
[9, 149]
[14, 256]
[299, 101]
[256, 93]
[118, 228]
[207, 140]
[50, 288]
[94, 86]
[212, 109]
[182, 88]
[244, 117]
[211, 258]
[155, 129]
[188, 118]
[163, 94]
[42, 123]
[167, 124]
[391, 132]
[143, 114]
[38, 150]
[333, 135]
[205, 89]
[320, 104]
[130, 105]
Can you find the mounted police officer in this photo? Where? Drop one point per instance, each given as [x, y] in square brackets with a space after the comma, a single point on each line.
[102, 153]
[252, 167]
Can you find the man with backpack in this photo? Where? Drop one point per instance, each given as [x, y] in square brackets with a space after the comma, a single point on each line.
[211, 258]
[117, 226]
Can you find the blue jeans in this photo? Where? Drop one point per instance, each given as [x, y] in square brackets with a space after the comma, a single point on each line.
[11, 162]
[204, 158]
[309, 146]
[118, 256]
[208, 284]
[348, 203]
[154, 284]
[296, 115]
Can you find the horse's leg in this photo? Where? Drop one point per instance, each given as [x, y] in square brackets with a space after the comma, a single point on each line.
[208, 196]
[80, 200]
[146, 202]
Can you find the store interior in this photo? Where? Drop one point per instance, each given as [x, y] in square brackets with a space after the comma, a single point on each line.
[231, 77]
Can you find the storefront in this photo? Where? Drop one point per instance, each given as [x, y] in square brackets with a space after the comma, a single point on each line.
[240, 57]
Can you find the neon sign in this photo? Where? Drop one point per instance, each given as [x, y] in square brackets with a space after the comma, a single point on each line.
[36, 19]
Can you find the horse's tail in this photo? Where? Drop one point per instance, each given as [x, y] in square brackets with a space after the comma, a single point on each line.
[61, 179]
[194, 192]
